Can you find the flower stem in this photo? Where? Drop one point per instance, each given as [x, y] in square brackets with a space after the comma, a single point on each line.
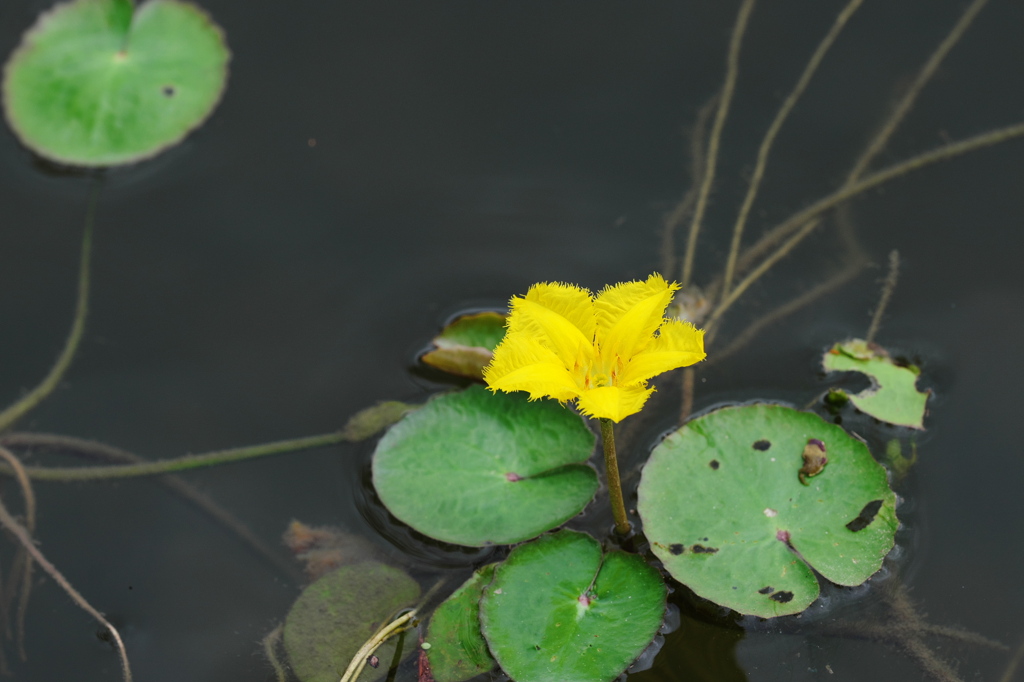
[611, 466]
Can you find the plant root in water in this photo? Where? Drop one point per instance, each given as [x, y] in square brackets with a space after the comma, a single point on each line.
[20, 580]
[905, 629]
[888, 286]
[185, 463]
[708, 176]
[768, 249]
[270, 645]
[89, 449]
[769, 138]
[23, 536]
[683, 209]
[1014, 662]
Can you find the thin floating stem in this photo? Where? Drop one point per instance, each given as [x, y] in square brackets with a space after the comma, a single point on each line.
[893, 121]
[887, 288]
[31, 399]
[168, 466]
[906, 102]
[799, 220]
[708, 179]
[698, 159]
[94, 450]
[765, 265]
[1011, 667]
[270, 643]
[844, 275]
[385, 632]
[23, 536]
[358, 663]
[20, 580]
[773, 131]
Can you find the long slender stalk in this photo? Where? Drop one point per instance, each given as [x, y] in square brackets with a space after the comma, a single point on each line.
[20, 581]
[731, 73]
[270, 643]
[24, 484]
[844, 275]
[689, 375]
[22, 535]
[698, 137]
[386, 631]
[878, 143]
[611, 465]
[96, 451]
[358, 662]
[1011, 667]
[906, 103]
[798, 220]
[887, 288]
[167, 466]
[712, 324]
[773, 130]
[856, 260]
[28, 401]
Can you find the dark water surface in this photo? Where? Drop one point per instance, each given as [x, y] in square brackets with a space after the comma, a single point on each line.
[375, 167]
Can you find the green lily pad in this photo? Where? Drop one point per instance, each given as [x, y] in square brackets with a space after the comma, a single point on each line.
[559, 609]
[466, 345]
[893, 396]
[101, 83]
[726, 509]
[475, 468]
[457, 648]
[334, 616]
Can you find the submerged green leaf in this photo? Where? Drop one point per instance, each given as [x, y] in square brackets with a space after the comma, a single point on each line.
[560, 609]
[98, 83]
[464, 347]
[726, 509]
[457, 648]
[900, 464]
[893, 396]
[370, 421]
[334, 616]
[475, 468]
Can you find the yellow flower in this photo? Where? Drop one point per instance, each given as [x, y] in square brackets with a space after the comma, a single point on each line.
[562, 342]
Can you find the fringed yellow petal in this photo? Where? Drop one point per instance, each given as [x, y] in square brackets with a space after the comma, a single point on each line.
[560, 316]
[613, 402]
[574, 303]
[678, 344]
[628, 314]
[521, 363]
[561, 341]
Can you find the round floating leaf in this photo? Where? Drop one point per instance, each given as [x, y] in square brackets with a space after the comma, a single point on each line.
[893, 396]
[558, 609]
[725, 509]
[457, 648]
[98, 83]
[475, 468]
[466, 345]
[334, 616]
